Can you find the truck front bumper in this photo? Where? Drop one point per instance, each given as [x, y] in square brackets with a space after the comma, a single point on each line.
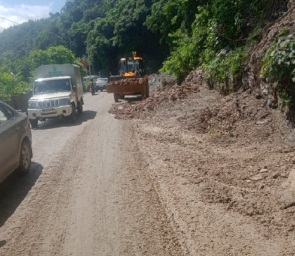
[56, 112]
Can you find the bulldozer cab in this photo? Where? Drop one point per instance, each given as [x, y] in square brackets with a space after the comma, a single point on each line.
[131, 79]
[131, 67]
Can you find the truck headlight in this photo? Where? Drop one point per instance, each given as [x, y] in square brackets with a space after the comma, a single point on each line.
[64, 101]
[33, 104]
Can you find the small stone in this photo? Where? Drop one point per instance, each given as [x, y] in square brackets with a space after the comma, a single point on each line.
[275, 175]
[256, 177]
[262, 122]
[263, 170]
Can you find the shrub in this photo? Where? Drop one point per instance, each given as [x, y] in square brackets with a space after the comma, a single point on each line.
[224, 71]
[278, 67]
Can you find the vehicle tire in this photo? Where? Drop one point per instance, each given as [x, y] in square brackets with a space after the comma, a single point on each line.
[116, 97]
[25, 158]
[73, 115]
[147, 90]
[34, 123]
[80, 107]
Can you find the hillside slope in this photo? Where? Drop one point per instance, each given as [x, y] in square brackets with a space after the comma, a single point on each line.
[224, 165]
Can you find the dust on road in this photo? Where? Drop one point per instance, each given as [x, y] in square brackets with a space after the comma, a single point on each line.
[88, 193]
[173, 181]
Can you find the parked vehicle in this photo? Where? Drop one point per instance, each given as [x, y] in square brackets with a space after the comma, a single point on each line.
[15, 141]
[57, 93]
[131, 79]
[100, 83]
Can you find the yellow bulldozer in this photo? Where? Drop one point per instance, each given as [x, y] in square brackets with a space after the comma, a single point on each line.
[131, 79]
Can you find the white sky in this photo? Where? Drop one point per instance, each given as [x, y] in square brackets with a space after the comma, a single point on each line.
[13, 12]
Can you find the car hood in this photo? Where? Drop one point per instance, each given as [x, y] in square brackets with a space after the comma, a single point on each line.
[51, 96]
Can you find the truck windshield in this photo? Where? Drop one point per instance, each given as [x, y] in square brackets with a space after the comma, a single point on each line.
[51, 86]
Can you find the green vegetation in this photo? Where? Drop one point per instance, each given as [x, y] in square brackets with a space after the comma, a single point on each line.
[17, 77]
[279, 68]
[224, 71]
[11, 84]
[174, 36]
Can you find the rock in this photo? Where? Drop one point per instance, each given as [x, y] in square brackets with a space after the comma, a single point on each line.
[262, 122]
[275, 175]
[263, 170]
[257, 177]
[286, 193]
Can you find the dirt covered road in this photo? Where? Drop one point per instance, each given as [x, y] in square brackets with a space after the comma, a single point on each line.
[184, 172]
[88, 193]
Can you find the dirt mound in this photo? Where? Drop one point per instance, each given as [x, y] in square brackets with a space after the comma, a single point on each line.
[126, 81]
[244, 114]
[159, 95]
[235, 152]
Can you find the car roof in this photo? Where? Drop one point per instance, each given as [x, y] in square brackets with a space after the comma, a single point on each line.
[5, 104]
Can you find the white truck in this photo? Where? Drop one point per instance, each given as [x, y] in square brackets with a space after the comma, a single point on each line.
[57, 93]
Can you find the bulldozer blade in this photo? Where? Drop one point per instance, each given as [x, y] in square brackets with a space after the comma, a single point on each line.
[127, 85]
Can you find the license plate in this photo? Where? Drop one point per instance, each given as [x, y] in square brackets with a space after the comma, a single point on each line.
[48, 110]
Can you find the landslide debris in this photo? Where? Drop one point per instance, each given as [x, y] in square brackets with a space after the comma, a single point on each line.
[235, 153]
[237, 149]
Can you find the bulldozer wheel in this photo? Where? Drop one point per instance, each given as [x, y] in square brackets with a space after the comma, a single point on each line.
[147, 91]
[116, 97]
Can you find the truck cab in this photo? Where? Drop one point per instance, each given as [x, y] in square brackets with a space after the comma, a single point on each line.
[56, 96]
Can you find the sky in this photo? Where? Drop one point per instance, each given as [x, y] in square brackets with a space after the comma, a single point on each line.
[13, 12]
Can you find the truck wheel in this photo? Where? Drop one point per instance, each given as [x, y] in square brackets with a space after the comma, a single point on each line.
[80, 107]
[116, 97]
[34, 123]
[25, 158]
[73, 115]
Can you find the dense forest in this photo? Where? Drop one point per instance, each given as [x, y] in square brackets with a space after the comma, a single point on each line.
[175, 36]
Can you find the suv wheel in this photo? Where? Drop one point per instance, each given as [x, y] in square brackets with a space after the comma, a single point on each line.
[73, 115]
[80, 107]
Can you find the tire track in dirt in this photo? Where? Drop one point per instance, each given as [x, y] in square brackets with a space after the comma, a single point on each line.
[94, 195]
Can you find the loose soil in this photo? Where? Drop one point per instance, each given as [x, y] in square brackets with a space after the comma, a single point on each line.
[223, 167]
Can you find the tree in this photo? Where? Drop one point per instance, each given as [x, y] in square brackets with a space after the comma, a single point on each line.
[52, 55]
[11, 84]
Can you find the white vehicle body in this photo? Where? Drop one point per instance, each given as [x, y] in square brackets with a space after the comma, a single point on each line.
[57, 93]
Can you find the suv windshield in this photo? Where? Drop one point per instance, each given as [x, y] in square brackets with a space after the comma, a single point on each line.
[49, 86]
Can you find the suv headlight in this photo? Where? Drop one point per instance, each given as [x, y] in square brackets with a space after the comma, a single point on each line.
[64, 101]
[33, 104]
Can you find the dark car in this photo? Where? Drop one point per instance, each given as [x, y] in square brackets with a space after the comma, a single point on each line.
[15, 141]
[100, 83]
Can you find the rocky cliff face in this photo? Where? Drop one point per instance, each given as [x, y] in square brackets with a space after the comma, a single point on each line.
[252, 76]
